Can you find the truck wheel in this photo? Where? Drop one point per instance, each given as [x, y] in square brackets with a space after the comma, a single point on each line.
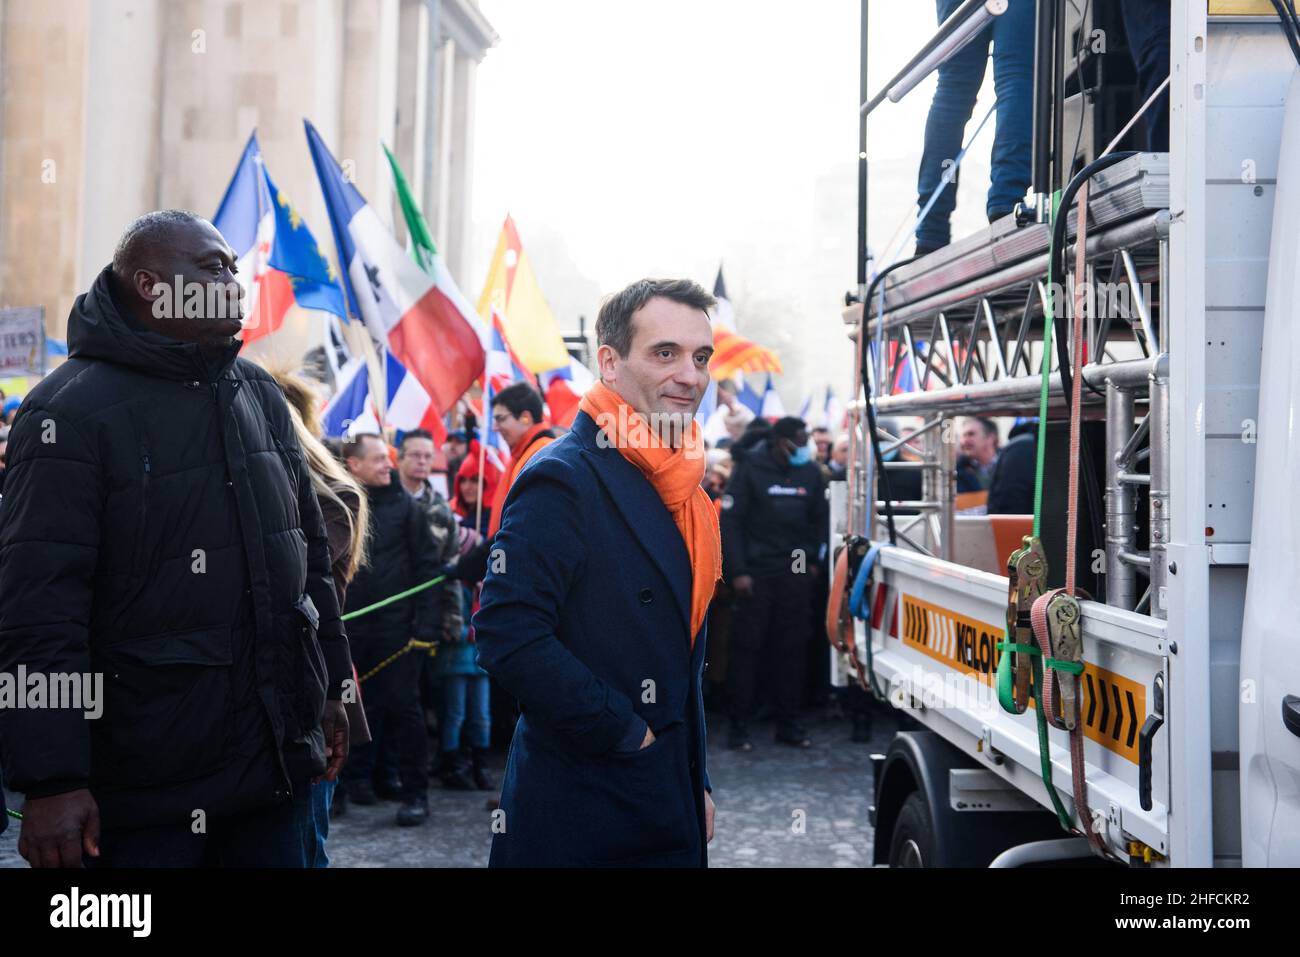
[913, 840]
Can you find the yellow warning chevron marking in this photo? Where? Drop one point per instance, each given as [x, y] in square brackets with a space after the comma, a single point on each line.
[1114, 706]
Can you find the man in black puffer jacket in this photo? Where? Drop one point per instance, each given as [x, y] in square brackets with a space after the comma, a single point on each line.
[159, 532]
[401, 554]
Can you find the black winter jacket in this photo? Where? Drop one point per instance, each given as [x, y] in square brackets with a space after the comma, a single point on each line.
[768, 511]
[401, 554]
[159, 527]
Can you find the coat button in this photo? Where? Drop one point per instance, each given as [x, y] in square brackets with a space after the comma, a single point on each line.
[646, 596]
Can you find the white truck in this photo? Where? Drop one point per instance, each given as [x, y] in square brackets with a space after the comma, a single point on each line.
[1188, 530]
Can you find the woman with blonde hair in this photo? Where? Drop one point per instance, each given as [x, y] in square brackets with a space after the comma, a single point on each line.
[346, 515]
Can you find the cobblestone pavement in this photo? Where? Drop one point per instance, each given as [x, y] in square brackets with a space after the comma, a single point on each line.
[777, 807]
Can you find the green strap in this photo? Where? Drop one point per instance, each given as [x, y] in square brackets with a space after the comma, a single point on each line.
[1023, 649]
[1073, 667]
[1049, 315]
[1005, 679]
[392, 598]
[1045, 748]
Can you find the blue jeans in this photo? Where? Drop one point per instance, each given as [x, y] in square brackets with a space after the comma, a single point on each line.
[465, 702]
[1012, 36]
[1147, 24]
[316, 828]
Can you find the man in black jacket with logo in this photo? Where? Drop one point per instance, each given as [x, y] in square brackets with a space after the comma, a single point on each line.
[401, 555]
[774, 521]
[159, 533]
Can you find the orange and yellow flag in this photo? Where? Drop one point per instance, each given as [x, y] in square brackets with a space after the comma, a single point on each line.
[512, 289]
[734, 353]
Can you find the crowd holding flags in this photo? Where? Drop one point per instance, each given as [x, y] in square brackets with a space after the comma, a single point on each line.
[432, 346]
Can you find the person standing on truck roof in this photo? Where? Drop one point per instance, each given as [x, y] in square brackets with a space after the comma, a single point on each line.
[774, 520]
[1147, 24]
[960, 78]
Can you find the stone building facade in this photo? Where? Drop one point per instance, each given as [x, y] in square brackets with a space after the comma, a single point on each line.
[112, 108]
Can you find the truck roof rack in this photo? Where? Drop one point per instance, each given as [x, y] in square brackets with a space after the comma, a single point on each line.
[966, 320]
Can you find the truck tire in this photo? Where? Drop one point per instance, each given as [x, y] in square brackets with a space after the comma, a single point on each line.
[913, 840]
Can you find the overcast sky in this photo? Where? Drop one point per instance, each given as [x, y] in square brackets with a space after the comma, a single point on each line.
[631, 139]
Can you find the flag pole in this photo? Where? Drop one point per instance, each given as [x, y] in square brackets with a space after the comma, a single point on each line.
[383, 387]
[261, 260]
[482, 456]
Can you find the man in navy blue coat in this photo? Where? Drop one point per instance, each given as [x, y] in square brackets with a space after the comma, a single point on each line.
[587, 616]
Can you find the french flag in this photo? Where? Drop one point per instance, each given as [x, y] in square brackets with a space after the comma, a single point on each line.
[350, 411]
[279, 262]
[563, 389]
[501, 368]
[749, 398]
[773, 408]
[423, 318]
[409, 406]
[833, 413]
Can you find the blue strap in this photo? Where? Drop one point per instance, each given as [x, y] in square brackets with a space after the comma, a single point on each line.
[858, 593]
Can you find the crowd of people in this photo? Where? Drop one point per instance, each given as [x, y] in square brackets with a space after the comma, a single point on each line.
[287, 627]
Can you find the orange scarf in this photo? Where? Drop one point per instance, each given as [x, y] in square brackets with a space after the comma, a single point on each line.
[676, 475]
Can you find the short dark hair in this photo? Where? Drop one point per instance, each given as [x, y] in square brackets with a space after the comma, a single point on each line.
[614, 323]
[353, 447]
[139, 243]
[413, 434]
[520, 397]
[988, 425]
[789, 426]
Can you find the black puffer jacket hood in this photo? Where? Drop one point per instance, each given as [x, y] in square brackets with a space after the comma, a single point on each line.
[99, 329]
[159, 529]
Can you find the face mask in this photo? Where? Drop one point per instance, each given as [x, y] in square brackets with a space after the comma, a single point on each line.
[801, 456]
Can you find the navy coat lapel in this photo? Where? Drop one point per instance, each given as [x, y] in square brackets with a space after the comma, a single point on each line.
[644, 512]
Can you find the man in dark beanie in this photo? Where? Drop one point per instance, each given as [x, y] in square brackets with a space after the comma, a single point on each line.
[159, 535]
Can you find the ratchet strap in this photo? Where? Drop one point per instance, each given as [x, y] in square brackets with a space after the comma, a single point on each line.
[1055, 616]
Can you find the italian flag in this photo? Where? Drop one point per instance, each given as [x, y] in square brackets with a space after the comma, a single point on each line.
[418, 312]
